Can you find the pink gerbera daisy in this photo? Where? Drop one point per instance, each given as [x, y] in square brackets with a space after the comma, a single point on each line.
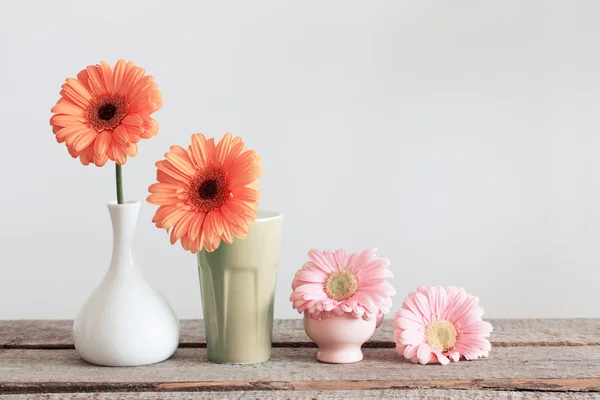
[438, 324]
[336, 283]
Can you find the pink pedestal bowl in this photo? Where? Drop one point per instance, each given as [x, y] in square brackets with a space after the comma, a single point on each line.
[339, 338]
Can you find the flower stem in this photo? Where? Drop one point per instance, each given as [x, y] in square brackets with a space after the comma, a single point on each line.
[119, 176]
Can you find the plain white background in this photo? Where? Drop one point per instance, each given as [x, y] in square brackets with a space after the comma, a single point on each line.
[461, 138]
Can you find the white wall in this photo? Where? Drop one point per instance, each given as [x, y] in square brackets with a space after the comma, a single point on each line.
[461, 138]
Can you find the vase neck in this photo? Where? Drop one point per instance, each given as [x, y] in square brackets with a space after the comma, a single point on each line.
[124, 219]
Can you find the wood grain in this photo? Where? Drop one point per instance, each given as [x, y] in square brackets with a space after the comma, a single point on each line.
[290, 333]
[538, 385]
[405, 394]
[522, 368]
[532, 359]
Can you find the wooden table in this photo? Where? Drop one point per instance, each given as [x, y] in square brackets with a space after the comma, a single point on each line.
[530, 359]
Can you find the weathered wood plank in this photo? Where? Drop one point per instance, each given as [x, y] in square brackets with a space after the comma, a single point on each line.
[531, 385]
[405, 394]
[557, 386]
[508, 368]
[290, 333]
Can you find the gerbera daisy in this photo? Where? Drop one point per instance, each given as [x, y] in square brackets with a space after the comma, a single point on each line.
[207, 193]
[438, 324]
[104, 113]
[335, 283]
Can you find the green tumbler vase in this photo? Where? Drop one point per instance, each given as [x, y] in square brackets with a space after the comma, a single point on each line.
[237, 283]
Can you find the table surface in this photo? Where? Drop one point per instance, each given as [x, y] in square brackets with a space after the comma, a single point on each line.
[530, 359]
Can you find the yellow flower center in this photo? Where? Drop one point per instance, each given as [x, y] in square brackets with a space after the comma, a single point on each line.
[441, 335]
[340, 285]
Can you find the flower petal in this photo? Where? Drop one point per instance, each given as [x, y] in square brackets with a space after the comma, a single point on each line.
[102, 142]
[424, 354]
[412, 336]
[120, 134]
[321, 260]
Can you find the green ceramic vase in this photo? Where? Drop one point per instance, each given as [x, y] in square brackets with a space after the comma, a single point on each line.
[237, 283]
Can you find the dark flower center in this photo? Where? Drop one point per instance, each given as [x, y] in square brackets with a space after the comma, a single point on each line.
[208, 189]
[106, 112]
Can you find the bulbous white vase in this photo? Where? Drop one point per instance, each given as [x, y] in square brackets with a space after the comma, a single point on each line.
[126, 321]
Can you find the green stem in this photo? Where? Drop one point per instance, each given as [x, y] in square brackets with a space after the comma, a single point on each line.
[119, 183]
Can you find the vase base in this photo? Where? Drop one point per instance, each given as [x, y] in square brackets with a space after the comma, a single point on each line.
[339, 356]
[237, 362]
[116, 363]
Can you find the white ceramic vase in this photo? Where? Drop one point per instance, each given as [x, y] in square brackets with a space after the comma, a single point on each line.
[126, 321]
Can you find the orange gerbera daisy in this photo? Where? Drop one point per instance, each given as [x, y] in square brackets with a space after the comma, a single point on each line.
[105, 112]
[207, 193]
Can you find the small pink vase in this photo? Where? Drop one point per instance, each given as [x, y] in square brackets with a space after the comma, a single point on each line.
[339, 338]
